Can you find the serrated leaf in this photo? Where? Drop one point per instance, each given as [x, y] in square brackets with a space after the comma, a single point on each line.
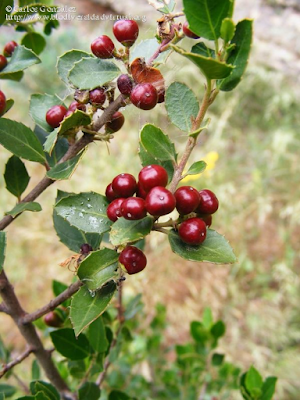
[227, 29]
[253, 380]
[46, 388]
[50, 142]
[182, 105]
[197, 168]
[201, 49]
[214, 249]
[85, 211]
[60, 148]
[239, 56]
[268, 388]
[125, 231]
[145, 49]
[34, 41]
[97, 336]
[205, 16]
[90, 73]
[148, 159]
[66, 169]
[157, 143]
[66, 62]
[16, 176]
[13, 76]
[90, 391]
[75, 120]
[98, 268]
[39, 105]
[3, 5]
[21, 141]
[65, 342]
[21, 207]
[2, 249]
[21, 59]
[87, 306]
[210, 67]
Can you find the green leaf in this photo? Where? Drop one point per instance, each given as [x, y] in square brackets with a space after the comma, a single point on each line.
[8, 106]
[148, 159]
[156, 143]
[21, 141]
[97, 336]
[46, 388]
[2, 248]
[268, 388]
[207, 318]
[214, 249]
[145, 49]
[227, 29]
[49, 26]
[124, 231]
[16, 176]
[218, 329]
[34, 41]
[203, 50]
[66, 169]
[21, 59]
[217, 359]
[210, 67]
[41, 396]
[117, 395]
[134, 306]
[13, 76]
[182, 105]
[21, 207]
[65, 342]
[39, 105]
[7, 390]
[58, 287]
[87, 306]
[85, 211]
[50, 142]
[60, 148]
[239, 56]
[197, 168]
[198, 332]
[3, 5]
[90, 391]
[205, 16]
[66, 62]
[253, 380]
[98, 268]
[35, 370]
[90, 73]
[75, 120]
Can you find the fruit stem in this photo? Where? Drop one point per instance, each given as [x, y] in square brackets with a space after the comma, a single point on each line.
[162, 230]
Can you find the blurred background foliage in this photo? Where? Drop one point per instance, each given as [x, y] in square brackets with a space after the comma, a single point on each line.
[252, 148]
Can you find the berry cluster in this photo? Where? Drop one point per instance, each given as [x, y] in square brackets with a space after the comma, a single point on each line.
[195, 208]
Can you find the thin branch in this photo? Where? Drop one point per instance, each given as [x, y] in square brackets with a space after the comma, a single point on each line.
[52, 304]
[161, 230]
[203, 391]
[18, 360]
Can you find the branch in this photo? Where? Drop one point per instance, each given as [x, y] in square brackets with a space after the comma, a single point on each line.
[3, 308]
[18, 360]
[52, 304]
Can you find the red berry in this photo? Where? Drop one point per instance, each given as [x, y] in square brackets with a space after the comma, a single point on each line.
[133, 208]
[144, 96]
[140, 192]
[55, 115]
[161, 95]
[188, 32]
[160, 201]
[116, 123]
[187, 199]
[52, 319]
[85, 248]
[209, 202]
[124, 185]
[151, 176]
[9, 48]
[103, 47]
[125, 84]
[126, 31]
[2, 102]
[3, 62]
[68, 113]
[97, 96]
[207, 219]
[77, 106]
[114, 209]
[110, 194]
[133, 259]
[192, 231]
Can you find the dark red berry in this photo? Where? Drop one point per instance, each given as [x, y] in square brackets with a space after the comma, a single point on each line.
[9, 48]
[209, 202]
[124, 185]
[187, 199]
[77, 106]
[2, 102]
[85, 248]
[133, 208]
[144, 96]
[3, 62]
[97, 96]
[55, 115]
[151, 176]
[103, 47]
[133, 259]
[114, 209]
[116, 123]
[68, 113]
[160, 201]
[207, 219]
[126, 31]
[161, 95]
[52, 319]
[110, 194]
[188, 32]
[140, 192]
[192, 231]
[125, 84]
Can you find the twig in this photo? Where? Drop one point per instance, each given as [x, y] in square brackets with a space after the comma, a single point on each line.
[52, 304]
[203, 391]
[161, 230]
[18, 360]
